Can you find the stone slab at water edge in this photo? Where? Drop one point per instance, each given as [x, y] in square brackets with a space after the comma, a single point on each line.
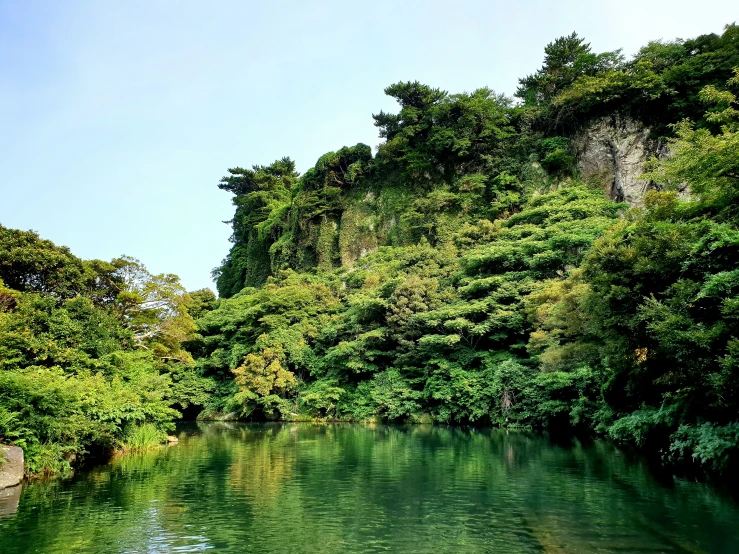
[11, 468]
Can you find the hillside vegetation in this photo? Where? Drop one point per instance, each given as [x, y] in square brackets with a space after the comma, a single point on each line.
[463, 273]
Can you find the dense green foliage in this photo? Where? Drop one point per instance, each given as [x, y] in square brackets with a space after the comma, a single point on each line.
[90, 353]
[661, 85]
[463, 274]
[660, 290]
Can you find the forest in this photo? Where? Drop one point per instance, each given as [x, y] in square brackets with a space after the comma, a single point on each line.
[465, 271]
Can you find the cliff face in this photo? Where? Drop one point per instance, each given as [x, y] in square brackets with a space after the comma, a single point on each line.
[612, 150]
[336, 216]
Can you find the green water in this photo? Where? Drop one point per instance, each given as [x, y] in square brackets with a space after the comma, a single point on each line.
[350, 488]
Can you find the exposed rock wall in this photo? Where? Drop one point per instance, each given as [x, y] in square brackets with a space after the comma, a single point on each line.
[358, 233]
[612, 151]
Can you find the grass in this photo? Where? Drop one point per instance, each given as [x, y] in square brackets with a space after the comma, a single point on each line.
[138, 438]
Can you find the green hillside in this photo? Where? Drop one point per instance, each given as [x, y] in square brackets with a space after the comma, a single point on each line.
[465, 272]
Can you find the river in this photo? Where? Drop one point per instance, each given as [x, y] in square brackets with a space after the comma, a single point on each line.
[347, 488]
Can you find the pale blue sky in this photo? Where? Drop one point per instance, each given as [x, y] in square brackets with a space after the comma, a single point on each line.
[119, 118]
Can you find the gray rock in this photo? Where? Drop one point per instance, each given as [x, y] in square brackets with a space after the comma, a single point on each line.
[612, 151]
[11, 472]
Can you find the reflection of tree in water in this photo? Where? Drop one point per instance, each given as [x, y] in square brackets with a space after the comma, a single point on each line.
[261, 463]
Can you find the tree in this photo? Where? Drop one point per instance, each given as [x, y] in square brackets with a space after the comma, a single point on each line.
[262, 197]
[154, 308]
[71, 379]
[29, 263]
[263, 380]
[708, 162]
[565, 59]
[436, 138]
[201, 302]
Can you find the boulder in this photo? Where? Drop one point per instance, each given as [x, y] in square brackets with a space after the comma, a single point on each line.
[12, 468]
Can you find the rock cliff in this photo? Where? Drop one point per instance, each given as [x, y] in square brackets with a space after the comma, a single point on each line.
[612, 151]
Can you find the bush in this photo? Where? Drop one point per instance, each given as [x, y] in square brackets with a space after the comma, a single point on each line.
[711, 445]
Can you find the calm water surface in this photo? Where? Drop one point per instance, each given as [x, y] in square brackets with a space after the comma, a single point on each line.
[348, 488]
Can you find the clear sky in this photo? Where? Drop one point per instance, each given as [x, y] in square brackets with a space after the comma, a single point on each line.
[117, 119]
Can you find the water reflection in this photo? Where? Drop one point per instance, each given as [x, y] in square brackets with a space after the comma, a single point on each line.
[9, 499]
[352, 488]
[262, 464]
